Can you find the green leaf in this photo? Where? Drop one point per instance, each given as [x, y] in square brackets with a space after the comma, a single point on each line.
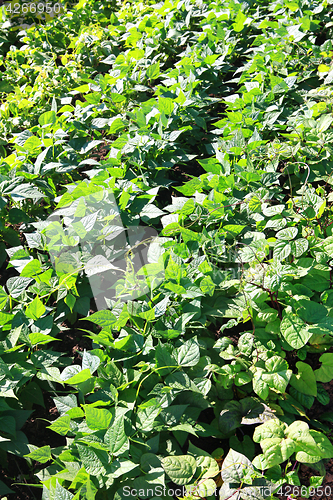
[190, 187]
[325, 372]
[147, 483]
[93, 460]
[33, 144]
[165, 104]
[8, 425]
[164, 358]
[180, 469]
[294, 330]
[282, 249]
[205, 488]
[181, 382]
[153, 71]
[6, 87]
[277, 374]
[255, 204]
[3, 298]
[305, 380]
[90, 361]
[32, 269]
[235, 467]
[188, 354]
[312, 445]
[277, 451]
[287, 234]
[62, 494]
[242, 378]
[311, 311]
[276, 445]
[189, 235]
[300, 397]
[115, 437]
[104, 318]
[35, 309]
[324, 122]
[230, 417]
[61, 425]
[17, 285]
[116, 125]
[150, 212]
[323, 68]
[51, 373]
[32, 393]
[70, 301]
[80, 377]
[65, 403]
[211, 165]
[4, 490]
[42, 454]
[97, 419]
[47, 118]
[234, 229]
[245, 447]
[322, 395]
[207, 286]
[146, 416]
[298, 247]
[238, 25]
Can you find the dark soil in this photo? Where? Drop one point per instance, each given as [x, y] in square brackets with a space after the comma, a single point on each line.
[17, 471]
[72, 340]
[100, 153]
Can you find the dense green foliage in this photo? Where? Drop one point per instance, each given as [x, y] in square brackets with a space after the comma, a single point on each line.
[236, 342]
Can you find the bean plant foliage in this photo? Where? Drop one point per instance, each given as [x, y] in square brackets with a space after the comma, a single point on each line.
[211, 125]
